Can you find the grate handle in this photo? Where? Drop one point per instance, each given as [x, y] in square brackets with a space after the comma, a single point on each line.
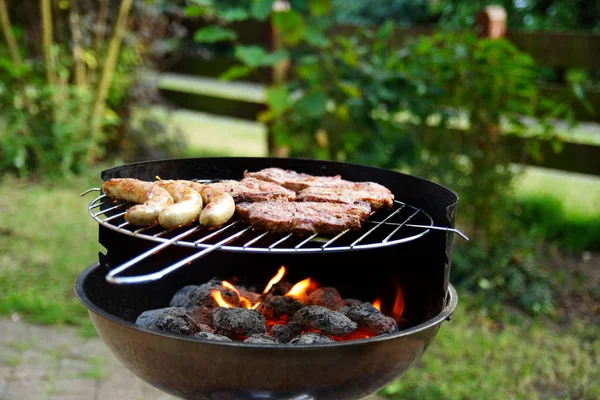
[113, 278]
[440, 228]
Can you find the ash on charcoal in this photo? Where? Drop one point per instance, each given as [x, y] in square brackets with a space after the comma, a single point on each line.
[368, 317]
[325, 320]
[202, 315]
[238, 321]
[312, 338]
[212, 336]
[170, 319]
[282, 333]
[280, 288]
[260, 338]
[352, 302]
[328, 297]
[274, 308]
[190, 296]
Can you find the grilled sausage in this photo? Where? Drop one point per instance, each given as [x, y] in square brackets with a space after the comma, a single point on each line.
[219, 210]
[153, 199]
[220, 206]
[187, 207]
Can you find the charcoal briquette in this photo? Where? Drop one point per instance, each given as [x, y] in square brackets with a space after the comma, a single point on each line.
[312, 338]
[260, 338]
[274, 308]
[328, 297]
[325, 320]
[202, 315]
[368, 317]
[282, 333]
[233, 322]
[280, 288]
[191, 296]
[212, 336]
[352, 302]
[170, 319]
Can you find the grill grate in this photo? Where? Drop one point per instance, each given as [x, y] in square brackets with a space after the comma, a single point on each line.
[383, 228]
[402, 223]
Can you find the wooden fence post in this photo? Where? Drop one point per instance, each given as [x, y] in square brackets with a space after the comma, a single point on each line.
[491, 22]
[277, 72]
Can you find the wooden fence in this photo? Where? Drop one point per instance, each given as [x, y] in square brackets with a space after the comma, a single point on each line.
[552, 49]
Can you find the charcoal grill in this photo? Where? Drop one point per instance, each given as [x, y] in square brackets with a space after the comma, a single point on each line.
[409, 245]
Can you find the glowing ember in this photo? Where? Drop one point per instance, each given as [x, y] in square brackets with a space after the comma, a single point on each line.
[298, 291]
[398, 308]
[377, 304]
[219, 299]
[275, 279]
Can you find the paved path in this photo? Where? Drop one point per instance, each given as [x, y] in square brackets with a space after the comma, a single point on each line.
[49, 363]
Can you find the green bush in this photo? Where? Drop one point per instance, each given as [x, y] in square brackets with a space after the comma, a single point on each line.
[436, 107]
[546, 217]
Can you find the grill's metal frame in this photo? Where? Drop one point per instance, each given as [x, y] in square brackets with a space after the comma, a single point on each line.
[237, 229]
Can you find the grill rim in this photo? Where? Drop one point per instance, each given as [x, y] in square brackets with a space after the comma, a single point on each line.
[451, 301]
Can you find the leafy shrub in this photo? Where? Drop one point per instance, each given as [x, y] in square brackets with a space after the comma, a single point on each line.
[437, 107]
[67, 104]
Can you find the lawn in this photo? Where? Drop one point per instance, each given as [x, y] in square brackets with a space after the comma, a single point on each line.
[47, 238]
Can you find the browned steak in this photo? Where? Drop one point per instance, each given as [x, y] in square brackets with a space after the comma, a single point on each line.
[251, 190]
[346, 192]
[304, 217]
[291, 179]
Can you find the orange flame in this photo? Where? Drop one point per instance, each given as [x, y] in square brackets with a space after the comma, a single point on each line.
[377, 304]
[219, 299]
[245, 302]
[398, 308]
[275, 279]
[298, 291]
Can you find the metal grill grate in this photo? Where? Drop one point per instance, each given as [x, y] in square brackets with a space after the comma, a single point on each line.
[402, 223]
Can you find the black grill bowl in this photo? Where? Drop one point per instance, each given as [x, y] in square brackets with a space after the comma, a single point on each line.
[199, 369]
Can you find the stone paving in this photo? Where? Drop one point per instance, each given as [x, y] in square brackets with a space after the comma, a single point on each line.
[50, 363]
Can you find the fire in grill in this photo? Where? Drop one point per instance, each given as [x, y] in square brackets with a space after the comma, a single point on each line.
[304, 313]
[198, 336]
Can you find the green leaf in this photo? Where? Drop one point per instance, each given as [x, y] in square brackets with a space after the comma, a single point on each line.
[278, 99]
[252, 56]
[274, 58]
[261, 9]
[291, 26]
[315, 37]
[235, 72]
[213, 34]
[234, 14]
[319, 7]
[194, 11]
[349, 88]
[385, 31]
[312, 105]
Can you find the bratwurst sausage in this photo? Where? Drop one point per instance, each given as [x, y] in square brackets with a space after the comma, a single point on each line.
[219, 208]
[153, 199]
[187, 207]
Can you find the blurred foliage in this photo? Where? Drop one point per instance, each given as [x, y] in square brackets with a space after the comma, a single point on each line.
[522, 14]
[47, 123]
[435, 107]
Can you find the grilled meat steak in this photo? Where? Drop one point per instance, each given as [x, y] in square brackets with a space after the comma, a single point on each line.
[304, 217]
[253, 190]
[332, 189]
[291, 179]
[346, 192]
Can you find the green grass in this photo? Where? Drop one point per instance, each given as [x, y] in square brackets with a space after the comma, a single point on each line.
[46, 239]
[561, 207]
[472, 359]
